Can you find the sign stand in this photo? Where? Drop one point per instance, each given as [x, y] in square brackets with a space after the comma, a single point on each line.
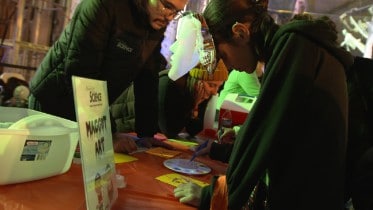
[96, 146]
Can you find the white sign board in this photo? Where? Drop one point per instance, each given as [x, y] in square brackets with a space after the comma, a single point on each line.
[96, 146]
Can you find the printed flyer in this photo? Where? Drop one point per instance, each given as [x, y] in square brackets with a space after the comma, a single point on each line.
[96, 147]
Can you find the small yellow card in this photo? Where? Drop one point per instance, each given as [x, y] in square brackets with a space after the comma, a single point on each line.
[162, 152]
[123, 158]
[184, 142]
[177, 179]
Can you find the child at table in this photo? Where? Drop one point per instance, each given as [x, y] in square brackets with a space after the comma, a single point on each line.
[181, 103]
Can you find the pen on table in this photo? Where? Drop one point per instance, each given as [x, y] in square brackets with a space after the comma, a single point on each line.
[201, 146]
[132, 136]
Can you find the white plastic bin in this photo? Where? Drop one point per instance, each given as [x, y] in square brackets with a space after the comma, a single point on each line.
[34, 145]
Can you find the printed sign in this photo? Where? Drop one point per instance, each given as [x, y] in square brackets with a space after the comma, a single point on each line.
[96, 146]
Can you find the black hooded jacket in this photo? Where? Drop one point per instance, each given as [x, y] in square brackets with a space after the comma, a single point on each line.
[297, 130]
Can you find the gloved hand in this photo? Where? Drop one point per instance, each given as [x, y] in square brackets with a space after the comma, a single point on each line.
[188, 193]
[123, 143]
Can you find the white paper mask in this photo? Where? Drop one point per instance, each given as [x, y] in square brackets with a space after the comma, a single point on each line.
[193, 45]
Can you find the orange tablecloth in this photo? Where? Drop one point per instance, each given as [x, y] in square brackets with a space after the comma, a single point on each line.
[66, 191]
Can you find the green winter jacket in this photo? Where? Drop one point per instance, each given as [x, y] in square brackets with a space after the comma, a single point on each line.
[123, 111]
[107, 40]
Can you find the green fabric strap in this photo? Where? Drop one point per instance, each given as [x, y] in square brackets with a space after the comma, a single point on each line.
[206, 194]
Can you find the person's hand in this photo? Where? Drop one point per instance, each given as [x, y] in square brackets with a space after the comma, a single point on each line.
[188, 193]
[150, 141]
[226, 136]
[123, 143]
[205, 150]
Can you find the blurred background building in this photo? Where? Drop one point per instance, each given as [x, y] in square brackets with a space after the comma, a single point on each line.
[29, 27]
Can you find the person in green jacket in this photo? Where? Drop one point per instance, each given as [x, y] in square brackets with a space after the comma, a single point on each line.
[115, 41]
[242, 83]
[296, 133]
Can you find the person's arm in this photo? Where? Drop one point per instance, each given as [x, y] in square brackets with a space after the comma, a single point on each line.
[249, 83]
[173, 107]
[195, 125]
[206, 195]
[88, 34]
[146, 106]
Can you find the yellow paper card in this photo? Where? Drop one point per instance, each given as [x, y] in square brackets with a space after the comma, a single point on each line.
[122, 158]
[184, 142]
[162, 152]
[177, 179]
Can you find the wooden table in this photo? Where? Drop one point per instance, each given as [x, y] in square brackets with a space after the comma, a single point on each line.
[143, 191]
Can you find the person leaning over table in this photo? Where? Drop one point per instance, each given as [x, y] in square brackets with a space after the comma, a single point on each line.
[297, 130]
[115, 41]
[182, 103]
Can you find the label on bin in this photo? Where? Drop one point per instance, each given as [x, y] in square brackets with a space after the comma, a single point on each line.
[35, 150]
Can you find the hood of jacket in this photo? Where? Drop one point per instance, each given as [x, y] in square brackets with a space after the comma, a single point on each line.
[320, 32]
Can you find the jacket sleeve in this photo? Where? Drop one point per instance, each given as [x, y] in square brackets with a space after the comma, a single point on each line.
[146, 106]
[146, 95]
[174, 107]
[123, 111]
[88, 36]
[194, 126]
[168, 101]
[206, 194]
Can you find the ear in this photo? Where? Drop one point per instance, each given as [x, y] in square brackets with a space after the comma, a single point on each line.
[241, 32]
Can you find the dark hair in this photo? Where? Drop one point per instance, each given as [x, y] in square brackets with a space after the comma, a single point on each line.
[141, 4]
[302, 16]
[220, 15]
[141, 10]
